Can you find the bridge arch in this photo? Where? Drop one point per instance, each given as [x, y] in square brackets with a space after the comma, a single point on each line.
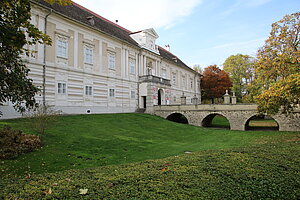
[178, 117]
[261, 123]
[207, 120]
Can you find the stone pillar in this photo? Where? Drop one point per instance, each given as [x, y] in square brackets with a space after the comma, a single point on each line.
[183, 99]
[195, 100]
[233, 98]
[226, 98]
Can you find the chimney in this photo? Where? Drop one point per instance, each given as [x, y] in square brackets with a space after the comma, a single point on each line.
[91, 20]
[168, 48]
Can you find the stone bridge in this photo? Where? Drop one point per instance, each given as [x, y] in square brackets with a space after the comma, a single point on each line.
[238, 115]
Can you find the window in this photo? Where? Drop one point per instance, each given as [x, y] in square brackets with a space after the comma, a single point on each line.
[163, 73]
[111, 61]
[61, 88]
[132, 66]
[191, 81]
[88, 90]
[174, 79]
[149, 71]
[88, 55]
[62, 48]
[111, 92]
[198, 85]
[132, 94]
[183, 82]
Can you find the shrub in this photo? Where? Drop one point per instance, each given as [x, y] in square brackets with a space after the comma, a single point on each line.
[14, 143]
[43, 118]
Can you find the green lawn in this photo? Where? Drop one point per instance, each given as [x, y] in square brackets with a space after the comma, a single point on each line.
[224, 163]
[267, 170]
[220, 121]
[84, 141]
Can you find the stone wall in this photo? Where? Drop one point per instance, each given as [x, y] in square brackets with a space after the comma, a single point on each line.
[237, 115]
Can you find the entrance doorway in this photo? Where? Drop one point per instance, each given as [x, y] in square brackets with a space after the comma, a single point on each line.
[144, 101]
[160, 97]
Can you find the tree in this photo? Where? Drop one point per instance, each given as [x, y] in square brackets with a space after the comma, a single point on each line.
[214, 82]
[17, 32]
[278, 67]
[197, 68]
[241, 71]
[282, 96]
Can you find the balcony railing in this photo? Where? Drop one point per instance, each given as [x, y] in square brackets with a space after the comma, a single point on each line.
[154, 79]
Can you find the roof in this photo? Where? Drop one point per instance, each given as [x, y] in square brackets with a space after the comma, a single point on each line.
[81, 14]
[172, 58]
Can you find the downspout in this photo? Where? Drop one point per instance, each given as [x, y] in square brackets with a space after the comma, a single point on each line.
[44, 62]
[138, 79]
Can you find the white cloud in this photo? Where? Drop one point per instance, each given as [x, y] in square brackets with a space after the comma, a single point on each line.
[245, 45]
[239, 4]
[219, 53]
[140, 14]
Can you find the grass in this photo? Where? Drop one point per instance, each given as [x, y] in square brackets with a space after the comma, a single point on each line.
[263, 123]
[269, 170]
[84, 141]
[77, 144]
[220, 121]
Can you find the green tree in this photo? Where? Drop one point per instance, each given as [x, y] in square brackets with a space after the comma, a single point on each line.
[16, 32]
[278, 67]
[197, 68]
[241, 71]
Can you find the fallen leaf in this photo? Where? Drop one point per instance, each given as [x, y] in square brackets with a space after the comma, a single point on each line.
[83, 191]
[110, 185]
[49, 191]
[164, 169]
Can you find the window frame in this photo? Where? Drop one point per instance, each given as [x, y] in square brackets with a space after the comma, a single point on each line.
[132, 94]
[111, 92]
[61, 90]
[174, 77]
[88, 91]
[164, 73]
[132, 66]
[62, 50]
[111, 62]
[88, 55]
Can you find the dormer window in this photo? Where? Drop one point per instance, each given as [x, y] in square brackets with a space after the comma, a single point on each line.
[146, 39]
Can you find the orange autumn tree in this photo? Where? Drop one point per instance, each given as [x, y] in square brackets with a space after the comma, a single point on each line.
[214, 82]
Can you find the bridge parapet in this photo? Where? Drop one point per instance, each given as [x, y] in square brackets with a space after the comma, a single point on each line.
[207, 107]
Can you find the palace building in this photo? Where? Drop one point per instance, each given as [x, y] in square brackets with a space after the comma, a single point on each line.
[97, 66]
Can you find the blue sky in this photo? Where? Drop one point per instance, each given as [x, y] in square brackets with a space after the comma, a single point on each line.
[201, 32]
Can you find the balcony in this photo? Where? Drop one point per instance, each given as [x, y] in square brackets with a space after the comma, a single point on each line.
[154, 79]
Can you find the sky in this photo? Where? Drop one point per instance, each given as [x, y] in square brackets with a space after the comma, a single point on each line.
[202, 32]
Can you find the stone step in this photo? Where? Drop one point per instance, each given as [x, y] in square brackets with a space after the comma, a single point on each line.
[140, 110]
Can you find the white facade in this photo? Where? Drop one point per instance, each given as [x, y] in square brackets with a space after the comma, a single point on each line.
[90, 71]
